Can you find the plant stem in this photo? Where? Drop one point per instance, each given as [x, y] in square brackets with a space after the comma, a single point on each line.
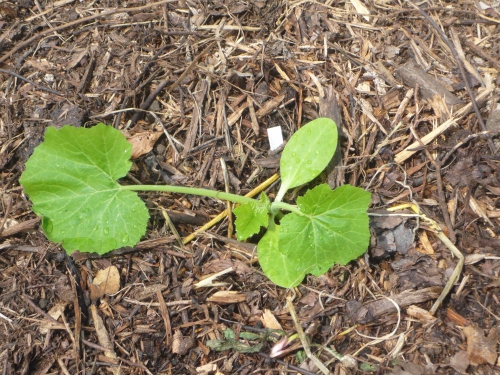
[212, 194]
[287, 207]
[193, 191]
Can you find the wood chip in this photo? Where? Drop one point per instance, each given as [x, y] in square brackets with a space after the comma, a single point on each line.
[412, 74]
[270, 106]
[227, 297]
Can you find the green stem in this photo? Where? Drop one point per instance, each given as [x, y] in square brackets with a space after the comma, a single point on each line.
[193, 191]
[212, 194]
[285, 206]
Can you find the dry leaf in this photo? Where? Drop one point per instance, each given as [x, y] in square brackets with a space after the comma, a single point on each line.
[106, 281]
[269, 320]
[55, 312]
[182, 344]
[142, 143]
[459, 361]
[480, 349]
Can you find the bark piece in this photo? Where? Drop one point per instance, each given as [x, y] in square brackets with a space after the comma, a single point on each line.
[269, 320]
[270, 106]
[412, 74]
[21, 227]
[372, 310]
[103, 337]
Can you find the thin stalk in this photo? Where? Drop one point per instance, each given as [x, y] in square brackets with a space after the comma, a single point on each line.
[212, 194]
[192, 191]
[285, 206]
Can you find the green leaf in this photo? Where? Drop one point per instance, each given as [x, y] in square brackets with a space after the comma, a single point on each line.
[307, 153]
[334, 228]
[280, 269]
[251, 216]
[71, 180]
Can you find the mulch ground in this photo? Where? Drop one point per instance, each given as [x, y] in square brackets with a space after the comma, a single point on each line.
[193, 83]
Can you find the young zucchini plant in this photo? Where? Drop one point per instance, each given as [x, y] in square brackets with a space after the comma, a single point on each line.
[71, 178]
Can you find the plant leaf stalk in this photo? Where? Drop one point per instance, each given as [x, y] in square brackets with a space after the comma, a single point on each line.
[211, 194]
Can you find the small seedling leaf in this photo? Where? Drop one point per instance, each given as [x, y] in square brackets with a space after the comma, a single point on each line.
[251, 216]
[334, 228]
[71, 180]
[280, 269]
[307, 153]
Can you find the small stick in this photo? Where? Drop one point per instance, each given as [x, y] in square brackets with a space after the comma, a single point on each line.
[436, 229]
[437, 165]
[223, 214]
[303, 338]
[43, 88]
[104, 14]
[462, 71]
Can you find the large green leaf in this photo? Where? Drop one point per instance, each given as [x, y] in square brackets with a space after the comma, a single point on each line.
[307, 153]
[334, 228]
[280, 269]
[251, 216]
[71, 180]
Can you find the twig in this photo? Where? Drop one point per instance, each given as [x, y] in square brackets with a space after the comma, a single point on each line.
[436, 229]
[462, 71]
[223, 214]
[478, 51]
[127, 362]
[437, 165]
[408, 151]
[464, 141]
[288, 366]
[303, 338]
[43, 88]
[147, 103]
[76, 22]
[149, 100]
[37, 309]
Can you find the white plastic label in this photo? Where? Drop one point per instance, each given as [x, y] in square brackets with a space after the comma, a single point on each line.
[275, 136]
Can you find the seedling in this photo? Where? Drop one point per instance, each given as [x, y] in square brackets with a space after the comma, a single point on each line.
[72, 176]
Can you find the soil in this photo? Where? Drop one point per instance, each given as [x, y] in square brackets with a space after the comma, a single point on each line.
[414, 92]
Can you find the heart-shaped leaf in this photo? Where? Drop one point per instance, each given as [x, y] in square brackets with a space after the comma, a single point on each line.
[334, 228]
[71, 180]
[280, 269]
